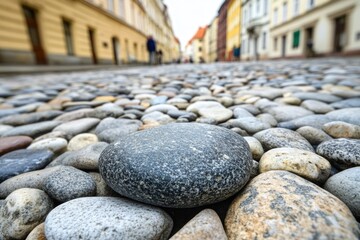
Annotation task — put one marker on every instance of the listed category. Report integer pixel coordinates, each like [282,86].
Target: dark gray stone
[343,153]
[281,137]
[346,186]
[178,165]
[32,130]
[68,183]
[28,118]
[21,161]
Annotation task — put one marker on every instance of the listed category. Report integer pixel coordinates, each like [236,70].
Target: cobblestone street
[66,136]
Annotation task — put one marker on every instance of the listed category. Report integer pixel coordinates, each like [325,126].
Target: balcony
[253,25]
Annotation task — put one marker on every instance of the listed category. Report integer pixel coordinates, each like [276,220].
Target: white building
[255,29]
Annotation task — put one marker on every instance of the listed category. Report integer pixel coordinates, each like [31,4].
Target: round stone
[107,218]
[56,145]
[190,165]
[281,205]
[69,183]
[22,211]
[82,140]
[255,147]
[340,129]
[303,163]
[342,153]
[346,186]
[38,233]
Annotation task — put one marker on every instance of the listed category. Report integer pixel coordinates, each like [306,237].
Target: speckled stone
[107,218]
[340,129]
[21,161]
[23,210]
[82,140]
[86,158]
[101,188]
[69,183]
[281,137]
[38,233]
[8,144]
[190,165]
[343,153]
[303,163]
[33,179]
[346,186]
[205,225]
[281,205]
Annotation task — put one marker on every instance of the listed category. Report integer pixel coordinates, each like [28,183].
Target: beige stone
[281,205]
[338,129]
[82,140]
[38,233]
[255,147]
[206,225]
[105,99]
[301,162]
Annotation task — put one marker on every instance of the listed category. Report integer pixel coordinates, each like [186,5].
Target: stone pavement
[212,151]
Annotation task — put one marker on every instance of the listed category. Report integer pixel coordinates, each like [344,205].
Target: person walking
[151,47]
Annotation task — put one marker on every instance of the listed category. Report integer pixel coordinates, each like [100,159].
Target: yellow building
[233,27]
[77,31]
[213,40]
[314,27]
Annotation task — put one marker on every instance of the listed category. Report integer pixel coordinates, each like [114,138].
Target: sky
[188,15]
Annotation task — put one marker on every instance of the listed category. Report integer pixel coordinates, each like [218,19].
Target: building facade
[221,35]
[307,28]
[213,28]
[195,49]
[256,29]
[81,31]
[233,30]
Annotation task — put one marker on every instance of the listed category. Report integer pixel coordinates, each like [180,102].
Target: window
[264,40]
[296,39]
[257,7]
[200,49]
[265,7]
[121,8]
[296,7]
[311,3]
[68,37]
[284,11]
[250,11]
[275,44]
[275,16]
[110,5]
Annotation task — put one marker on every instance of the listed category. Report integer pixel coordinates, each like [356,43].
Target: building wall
[255,32]
[213,40]
[221,38]
[206,45]
[233,27]
[321,17]
[107,22]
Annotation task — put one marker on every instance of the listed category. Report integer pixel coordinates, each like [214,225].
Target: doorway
[309,41]
[34,35]
[92,45]
[116,50]
[340,34]
[283,51]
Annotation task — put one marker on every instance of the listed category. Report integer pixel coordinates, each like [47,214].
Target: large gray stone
[75,127]
[28,118]
[288,113]
[346,186]
[107,218]
[32,130]
[349,115]
[189,165]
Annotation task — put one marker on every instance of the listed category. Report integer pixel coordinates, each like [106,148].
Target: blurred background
[119,32]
